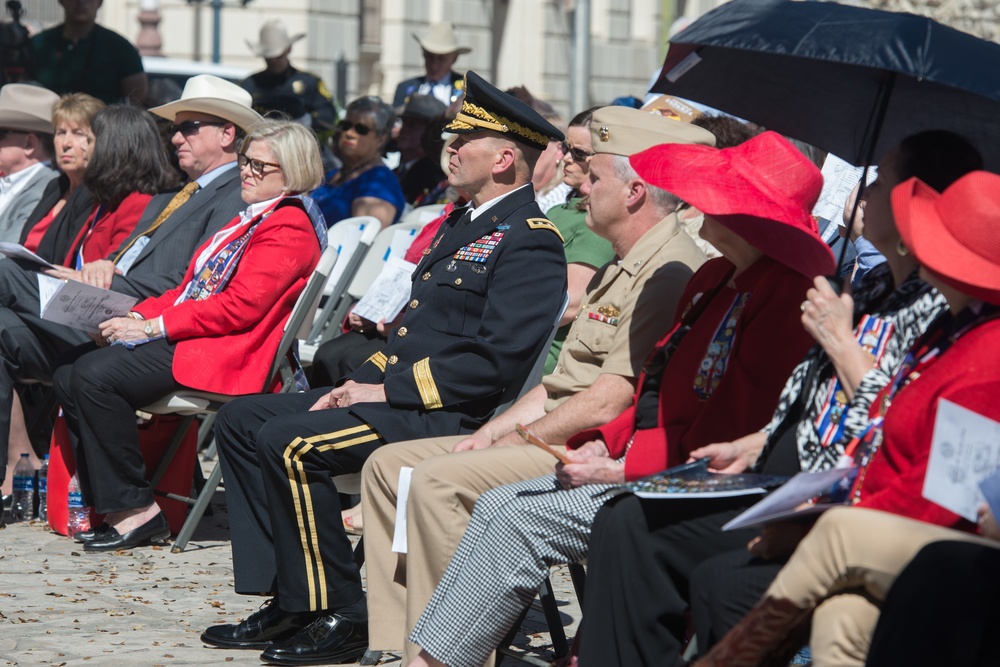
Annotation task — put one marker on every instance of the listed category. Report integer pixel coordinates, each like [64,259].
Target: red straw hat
[763,190]
[955,234]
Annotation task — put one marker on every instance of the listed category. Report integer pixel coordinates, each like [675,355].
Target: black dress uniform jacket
[472,329]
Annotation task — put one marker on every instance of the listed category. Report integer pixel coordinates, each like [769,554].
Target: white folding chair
[351,238]
[422,214]
[388,240]
[190,403]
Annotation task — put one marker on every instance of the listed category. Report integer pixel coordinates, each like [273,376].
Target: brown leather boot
[769,635]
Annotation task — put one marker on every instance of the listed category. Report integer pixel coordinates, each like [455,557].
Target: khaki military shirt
[630,305]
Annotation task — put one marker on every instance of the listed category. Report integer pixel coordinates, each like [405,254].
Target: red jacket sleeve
[283,242]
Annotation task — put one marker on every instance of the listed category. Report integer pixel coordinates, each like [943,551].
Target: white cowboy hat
[274,40]
[440,39]
[26,108]
[213,96]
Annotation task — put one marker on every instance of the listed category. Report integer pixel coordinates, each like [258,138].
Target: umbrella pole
[871,140]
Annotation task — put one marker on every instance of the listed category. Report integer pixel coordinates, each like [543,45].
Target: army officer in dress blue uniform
[484,298]
[281,87]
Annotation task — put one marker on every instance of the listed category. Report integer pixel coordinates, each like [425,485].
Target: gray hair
[660,198]
[382,114]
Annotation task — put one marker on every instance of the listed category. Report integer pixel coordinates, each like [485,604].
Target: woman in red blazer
[127,167]
[834,578]
[218,331]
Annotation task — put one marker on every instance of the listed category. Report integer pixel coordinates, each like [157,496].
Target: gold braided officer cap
[488,108]
[625,131]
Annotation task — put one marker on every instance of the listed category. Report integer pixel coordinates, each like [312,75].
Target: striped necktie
[178,200]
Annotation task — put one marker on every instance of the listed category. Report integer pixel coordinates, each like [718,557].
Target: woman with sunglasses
[586,252]
[217,332]
[363,185]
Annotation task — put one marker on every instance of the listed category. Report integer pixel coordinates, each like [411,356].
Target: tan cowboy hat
[213,96]
[274,40]
[440,39]
[26,108]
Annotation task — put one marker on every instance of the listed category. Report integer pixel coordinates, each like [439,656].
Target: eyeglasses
[256,166]
[189,127]
[578,154]
[360,128]
[4,133]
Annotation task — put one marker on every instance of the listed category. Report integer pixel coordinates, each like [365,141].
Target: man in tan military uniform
[630,306]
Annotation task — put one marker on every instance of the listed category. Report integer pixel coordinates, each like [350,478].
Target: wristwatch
[148,329]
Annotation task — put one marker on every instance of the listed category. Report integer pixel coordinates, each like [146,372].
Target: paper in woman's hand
[388,293]
[79,305]
[18,251]
[695,480]
[965,449]
[806,493]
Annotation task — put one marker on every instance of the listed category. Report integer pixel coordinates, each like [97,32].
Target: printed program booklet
[695,480]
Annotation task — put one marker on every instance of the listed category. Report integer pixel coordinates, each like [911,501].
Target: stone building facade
[514,42]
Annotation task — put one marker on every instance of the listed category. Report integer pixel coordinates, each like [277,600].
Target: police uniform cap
[486,107]
[624,131]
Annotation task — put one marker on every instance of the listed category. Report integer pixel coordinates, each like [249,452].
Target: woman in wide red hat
[844,567]
[715,376]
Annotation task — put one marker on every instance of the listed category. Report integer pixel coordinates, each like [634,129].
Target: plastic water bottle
[23,503]
[79,515]
[43,485]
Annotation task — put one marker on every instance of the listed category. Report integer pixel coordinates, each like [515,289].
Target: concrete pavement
[61,606]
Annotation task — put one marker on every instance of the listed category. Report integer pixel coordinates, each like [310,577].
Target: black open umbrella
[850,80]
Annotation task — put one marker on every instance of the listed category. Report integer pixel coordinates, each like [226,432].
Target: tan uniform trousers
[444,488]
[844,569]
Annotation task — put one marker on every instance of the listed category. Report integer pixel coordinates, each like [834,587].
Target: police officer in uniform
[440,51]
[281,87]
[484,298]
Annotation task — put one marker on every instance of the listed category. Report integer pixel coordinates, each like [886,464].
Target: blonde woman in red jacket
[218,331]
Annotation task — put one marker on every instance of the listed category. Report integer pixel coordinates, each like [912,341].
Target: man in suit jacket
[209,120]
[469,334]
[25,150]
[440,53]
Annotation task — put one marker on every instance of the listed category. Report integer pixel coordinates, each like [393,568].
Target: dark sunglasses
[189,127]
[578,154]
[256,166]
[360,128]
[4,133]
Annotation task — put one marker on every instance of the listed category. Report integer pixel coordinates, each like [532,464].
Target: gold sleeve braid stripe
[472,116]
[379,360]
[425,384]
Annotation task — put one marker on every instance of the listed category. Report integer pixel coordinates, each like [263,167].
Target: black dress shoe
[267,624]
[329,639]
[155,530]
[92,534]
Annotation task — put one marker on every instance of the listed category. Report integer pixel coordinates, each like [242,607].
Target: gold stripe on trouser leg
[302,499]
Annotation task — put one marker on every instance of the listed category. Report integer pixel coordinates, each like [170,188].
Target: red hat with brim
[954,234]
[762,190]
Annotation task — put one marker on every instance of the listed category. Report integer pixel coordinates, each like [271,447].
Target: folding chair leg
[196,512]
[578,574]
[168,455]
[370,658]
[551,610]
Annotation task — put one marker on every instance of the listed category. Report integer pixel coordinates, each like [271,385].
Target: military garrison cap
[625,131]
[488,108]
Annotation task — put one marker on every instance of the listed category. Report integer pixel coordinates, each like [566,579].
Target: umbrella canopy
[850,80]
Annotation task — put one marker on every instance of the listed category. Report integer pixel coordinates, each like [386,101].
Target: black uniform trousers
[278,460]
[642,553]
[99,394]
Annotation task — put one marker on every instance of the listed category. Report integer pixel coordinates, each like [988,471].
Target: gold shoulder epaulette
[544,223]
